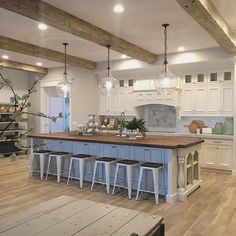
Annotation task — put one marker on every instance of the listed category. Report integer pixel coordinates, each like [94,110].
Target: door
[187,100]
[57,105]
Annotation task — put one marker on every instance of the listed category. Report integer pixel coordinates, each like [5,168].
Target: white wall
[19,80]
[84,93]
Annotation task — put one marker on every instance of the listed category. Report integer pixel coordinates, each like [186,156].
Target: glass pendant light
[64,87]
[166,80]
[109,81]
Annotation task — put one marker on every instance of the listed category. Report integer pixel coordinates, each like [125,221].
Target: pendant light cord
[165,47]
[108,60]
[65,61]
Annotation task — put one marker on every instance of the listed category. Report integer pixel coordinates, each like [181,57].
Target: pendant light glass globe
[108,82]
[63,88]
[166,80]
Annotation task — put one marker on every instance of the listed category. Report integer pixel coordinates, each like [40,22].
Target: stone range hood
[158,117]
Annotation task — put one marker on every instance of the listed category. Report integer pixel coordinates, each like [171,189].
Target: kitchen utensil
[195,124]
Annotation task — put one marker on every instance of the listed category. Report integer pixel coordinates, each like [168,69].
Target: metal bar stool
[107,161]
[58,156]
[42,154]
[154,167]
[128,164]
[81,158]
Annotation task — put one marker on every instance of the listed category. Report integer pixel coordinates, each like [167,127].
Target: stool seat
[42,151]
[59,153]
[81,156]
[105,159]
[128,162]
[151,165]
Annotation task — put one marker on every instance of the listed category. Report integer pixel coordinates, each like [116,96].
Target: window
[227,76]
[213,77]
[131,82]
[200,78]
[121,83]
[188,79]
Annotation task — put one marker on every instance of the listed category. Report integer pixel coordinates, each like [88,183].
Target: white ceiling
[140,23]
[227,9]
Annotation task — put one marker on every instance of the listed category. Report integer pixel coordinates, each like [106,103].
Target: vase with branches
[20,105]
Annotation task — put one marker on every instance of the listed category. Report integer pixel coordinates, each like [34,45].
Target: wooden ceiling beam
[50,15]
[36,51]
[205,13]
[22,66]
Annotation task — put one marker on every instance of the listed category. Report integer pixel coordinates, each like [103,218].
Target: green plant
[137,124]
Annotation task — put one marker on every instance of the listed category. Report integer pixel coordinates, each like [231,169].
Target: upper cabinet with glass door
[220,76]
[198,78]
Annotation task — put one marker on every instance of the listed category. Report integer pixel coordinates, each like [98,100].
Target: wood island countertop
[170,142]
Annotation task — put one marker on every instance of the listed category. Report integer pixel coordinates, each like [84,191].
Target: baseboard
[212,170]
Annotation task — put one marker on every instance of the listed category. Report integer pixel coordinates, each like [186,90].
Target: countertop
[157,141]
[203,136]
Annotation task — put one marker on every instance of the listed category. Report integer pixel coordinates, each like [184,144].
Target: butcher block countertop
[170,142]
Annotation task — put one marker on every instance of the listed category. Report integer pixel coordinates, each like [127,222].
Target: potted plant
[136,126]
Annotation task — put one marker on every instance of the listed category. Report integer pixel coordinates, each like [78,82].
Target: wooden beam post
[36,51]
[24,67]
[205,13]
[48,14]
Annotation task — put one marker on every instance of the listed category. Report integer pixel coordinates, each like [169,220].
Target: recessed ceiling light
[181,49]
[118,8]
[42,26]
[124,56]
[5,57]
[39,63]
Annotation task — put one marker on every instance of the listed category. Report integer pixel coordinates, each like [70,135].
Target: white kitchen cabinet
[213,99]
[218,154]
[226,99]
[193,100]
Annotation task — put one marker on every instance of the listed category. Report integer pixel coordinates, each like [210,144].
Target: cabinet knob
[146,150]
[113,146]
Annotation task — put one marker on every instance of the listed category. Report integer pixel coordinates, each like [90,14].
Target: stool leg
[94,174]
[81,172]
[116,174]
[70,167]
[129,180]
[31,165]
[156,183]
[139,181]
[41,160]
[58,168]
[107,172]
[49,161]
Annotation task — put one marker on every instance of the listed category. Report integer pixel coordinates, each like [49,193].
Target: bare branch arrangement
[20,105]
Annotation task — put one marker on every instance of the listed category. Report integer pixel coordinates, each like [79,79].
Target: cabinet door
[210,155]
[130,102]
[187,100]
[200,99]
[213,99]
[103,102]
[224,156]
[122,100]
[114,102]
[227,99]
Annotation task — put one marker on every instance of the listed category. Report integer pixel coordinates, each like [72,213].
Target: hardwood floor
[211,210]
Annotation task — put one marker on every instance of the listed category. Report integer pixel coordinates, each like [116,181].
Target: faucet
[122,114]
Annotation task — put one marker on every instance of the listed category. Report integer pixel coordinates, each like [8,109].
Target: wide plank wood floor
[211,210]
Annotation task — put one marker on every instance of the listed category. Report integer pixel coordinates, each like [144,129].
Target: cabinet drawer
[218,141]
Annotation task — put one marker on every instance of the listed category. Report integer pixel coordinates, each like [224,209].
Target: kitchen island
[179,155]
